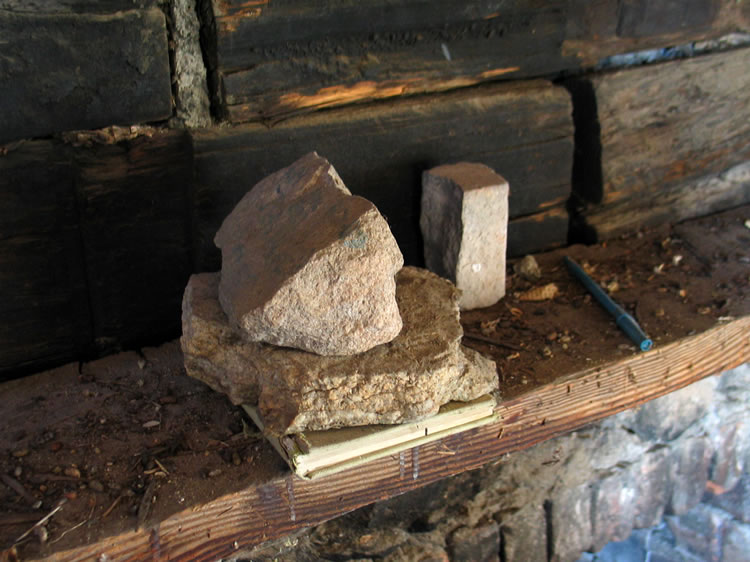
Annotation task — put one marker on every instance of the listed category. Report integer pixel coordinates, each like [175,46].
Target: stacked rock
[313,319]
[306,264]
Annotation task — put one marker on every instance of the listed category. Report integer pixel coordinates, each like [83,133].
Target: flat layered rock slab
[404,380]
[306,264]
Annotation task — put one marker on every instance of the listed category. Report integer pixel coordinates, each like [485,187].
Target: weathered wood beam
[44,310]
[135,229]
[274,61]
[666,123]
[523,131]
[65,71]
[95,245]
[604,28]
[286,503]
[702,196]
[667,141]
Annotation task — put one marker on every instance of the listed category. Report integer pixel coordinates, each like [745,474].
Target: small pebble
[56,446]
[528,269]
[214,472]
[73,472]
[96,485]
[41,533]
[20,453]
[18,471]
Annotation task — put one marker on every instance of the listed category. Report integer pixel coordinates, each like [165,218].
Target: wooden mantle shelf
[267,502]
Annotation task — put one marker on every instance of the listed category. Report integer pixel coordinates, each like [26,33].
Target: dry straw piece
[544,293]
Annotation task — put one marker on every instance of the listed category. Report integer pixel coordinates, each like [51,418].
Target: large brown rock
[306,264]
[404,380]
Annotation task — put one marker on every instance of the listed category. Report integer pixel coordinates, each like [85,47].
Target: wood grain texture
[692,198]
[272,61]
[285,503]
[44,309]
[664,124]
[134,206]
[65,71]
[74,6]
[276,60]
[537,232]
[523,131]
[602,28]
[95,247]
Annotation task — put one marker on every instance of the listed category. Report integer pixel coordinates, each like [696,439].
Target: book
[312,454]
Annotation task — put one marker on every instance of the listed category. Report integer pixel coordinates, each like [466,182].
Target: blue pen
[623,320]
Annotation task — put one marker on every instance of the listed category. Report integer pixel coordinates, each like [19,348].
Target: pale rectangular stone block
[464,222]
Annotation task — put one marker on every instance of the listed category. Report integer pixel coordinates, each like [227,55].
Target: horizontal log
[44,309]
[81,71]
[36,189]
[690,199]
[74,6]
[248,33]
[610,27]
[538,232]
[95,245]
[135,229]
[662,125]
[275,61]
[523,131]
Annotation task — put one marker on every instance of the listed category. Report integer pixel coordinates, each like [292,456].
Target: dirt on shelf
[125,441]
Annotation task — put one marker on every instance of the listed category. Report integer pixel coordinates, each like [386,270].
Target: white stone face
[464,223]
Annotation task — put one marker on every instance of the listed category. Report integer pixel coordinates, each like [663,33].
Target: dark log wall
[100,230]
[523,130]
